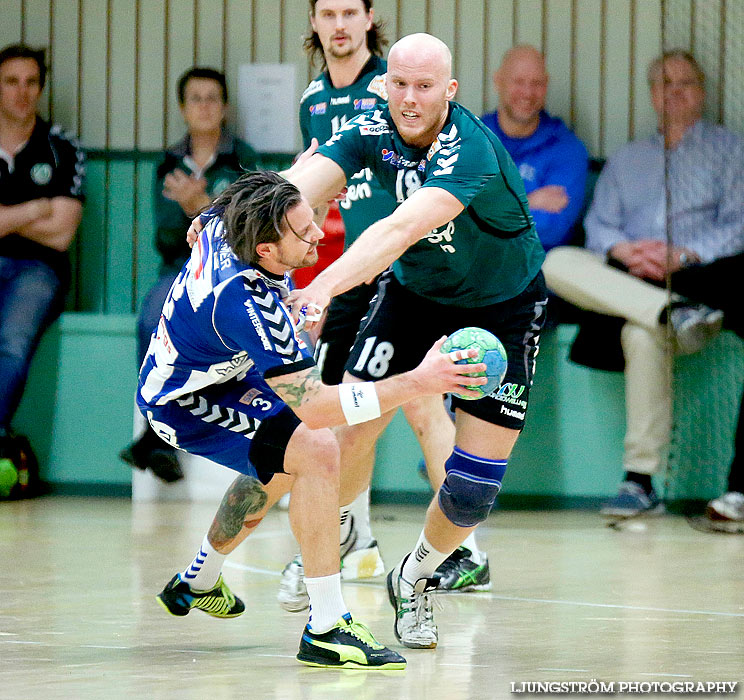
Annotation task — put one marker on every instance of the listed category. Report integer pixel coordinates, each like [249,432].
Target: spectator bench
[78,412]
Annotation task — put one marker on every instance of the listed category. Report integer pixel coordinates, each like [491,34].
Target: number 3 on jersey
[377,362]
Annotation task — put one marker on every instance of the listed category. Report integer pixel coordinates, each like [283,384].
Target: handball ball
[490,351]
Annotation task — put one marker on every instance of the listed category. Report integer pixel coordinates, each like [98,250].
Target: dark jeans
[31,298]
[719,285]
[152,306]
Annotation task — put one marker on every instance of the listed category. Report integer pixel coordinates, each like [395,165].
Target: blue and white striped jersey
[222,320]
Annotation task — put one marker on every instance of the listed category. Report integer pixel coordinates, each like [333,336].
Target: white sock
[472,545]
[326,602]
[360,510]
[345,520]
[204,571]
[423,561]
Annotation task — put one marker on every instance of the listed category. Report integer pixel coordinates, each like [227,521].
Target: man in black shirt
[41,171]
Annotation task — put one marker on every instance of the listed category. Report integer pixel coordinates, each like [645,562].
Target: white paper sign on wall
[266,106]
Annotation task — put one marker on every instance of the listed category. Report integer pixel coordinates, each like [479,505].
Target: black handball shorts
[401,326]
[339,330]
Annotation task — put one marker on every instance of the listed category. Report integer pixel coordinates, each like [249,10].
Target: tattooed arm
[318,405]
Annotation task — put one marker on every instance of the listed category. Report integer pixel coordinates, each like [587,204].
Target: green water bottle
[8,477]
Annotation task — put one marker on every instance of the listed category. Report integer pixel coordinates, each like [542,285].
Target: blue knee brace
[470,487]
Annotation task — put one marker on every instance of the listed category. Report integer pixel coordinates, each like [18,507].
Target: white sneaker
[694,325]
[357,562]
[414,615]
[730,507]
[292,595]
[360,560]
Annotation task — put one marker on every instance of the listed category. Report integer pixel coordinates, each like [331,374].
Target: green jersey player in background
[347,41]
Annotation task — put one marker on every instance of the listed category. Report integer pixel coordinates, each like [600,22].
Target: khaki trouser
[584,279]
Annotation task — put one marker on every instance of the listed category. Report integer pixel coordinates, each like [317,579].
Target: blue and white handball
[490,351]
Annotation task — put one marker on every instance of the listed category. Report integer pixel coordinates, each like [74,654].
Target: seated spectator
[41,176]
[193,172]
[693,168]
[552,161]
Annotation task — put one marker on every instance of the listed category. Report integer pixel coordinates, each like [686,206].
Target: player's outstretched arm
[319,405]
[379,246]
[318,178]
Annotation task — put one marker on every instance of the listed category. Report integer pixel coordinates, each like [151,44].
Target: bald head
[521,82]
[521,56]
[420,87]
[424,50]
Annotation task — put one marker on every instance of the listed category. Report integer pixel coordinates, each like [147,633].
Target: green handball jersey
[324,109]
[490,252]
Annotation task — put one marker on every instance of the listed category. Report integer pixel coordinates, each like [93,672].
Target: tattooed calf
[244,497]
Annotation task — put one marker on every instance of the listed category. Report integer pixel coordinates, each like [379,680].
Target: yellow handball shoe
[348,644]
[178,598]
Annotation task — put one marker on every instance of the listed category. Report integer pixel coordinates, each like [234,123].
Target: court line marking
[610,605]
[666,675]
[101,646]
[252,569]
[548,601]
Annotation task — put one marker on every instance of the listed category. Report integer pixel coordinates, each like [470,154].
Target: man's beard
[350,50]
[520,118]
[311,257]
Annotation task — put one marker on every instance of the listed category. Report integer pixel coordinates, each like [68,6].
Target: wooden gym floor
[572,600]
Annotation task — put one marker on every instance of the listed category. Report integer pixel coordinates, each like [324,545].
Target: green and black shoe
[348,644]
[178,598]
[461,572]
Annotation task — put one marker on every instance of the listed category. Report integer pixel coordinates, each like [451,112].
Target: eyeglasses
[198,99]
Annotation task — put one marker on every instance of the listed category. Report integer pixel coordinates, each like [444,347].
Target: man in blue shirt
[551,159]
[227,377]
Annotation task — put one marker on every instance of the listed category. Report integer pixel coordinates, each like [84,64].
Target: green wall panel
[92,238]
[118,289]
[78,412]
[78,405]
[707,391]
[148,260]
[572,443]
